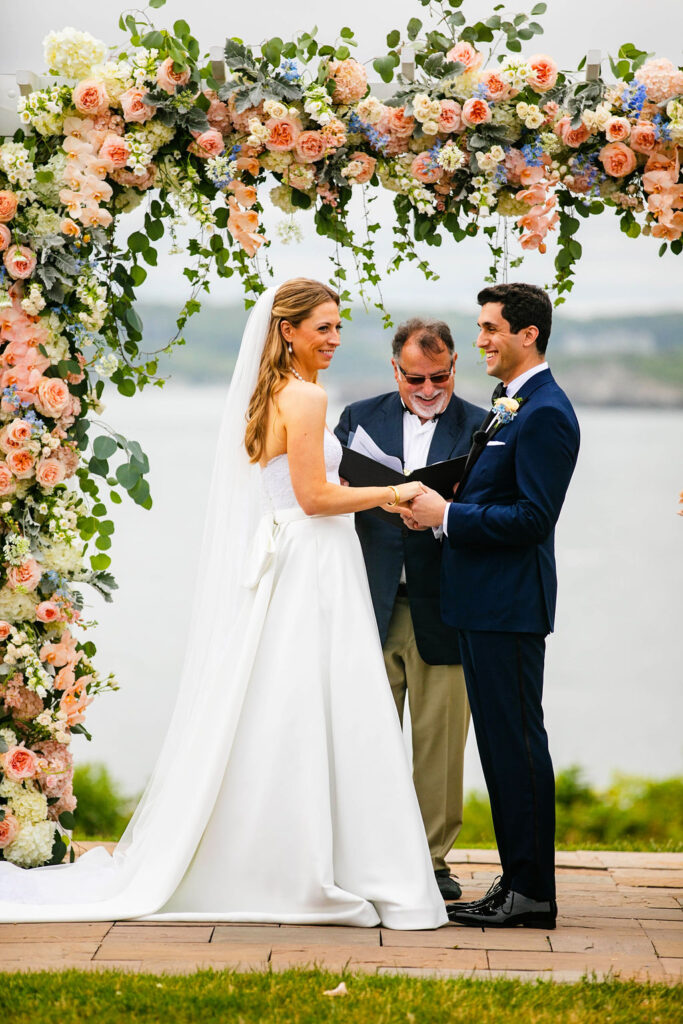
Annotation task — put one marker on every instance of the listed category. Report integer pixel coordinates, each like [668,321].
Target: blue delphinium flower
[533,153]
[633,98]
[289,70]
[375,138]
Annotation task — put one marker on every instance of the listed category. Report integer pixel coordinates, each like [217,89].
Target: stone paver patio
[621,915]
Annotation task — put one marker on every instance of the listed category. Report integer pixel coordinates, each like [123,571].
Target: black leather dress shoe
[449,887]
[495,887]
[506,909]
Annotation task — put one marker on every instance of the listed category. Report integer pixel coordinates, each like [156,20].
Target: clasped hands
[420,507]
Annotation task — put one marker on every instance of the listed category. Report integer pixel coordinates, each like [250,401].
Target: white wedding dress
[283,792]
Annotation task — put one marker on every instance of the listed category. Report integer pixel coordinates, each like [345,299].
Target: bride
[282,792]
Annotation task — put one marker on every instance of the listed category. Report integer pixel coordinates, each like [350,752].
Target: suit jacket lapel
[446,433]
[387,429]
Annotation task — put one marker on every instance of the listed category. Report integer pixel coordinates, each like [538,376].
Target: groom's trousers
[439,719]
[504,675]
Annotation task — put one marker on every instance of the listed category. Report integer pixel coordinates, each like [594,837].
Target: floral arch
[467,143]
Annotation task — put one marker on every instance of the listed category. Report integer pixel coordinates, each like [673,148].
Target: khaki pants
[440,718]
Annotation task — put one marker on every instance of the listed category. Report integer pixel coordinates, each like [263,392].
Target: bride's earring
[289,348]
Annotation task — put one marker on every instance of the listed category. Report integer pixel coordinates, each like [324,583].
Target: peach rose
[15,435]
[168,79]
[209,143]
[133,107]
[572,137]
[8,205]
[90,96]
[310,146]
[115,150]
[5,237]
[350,80]
[20,262]
[7,481]
[399,123]
[466,54]
[618,129]
[242,225]
[544,72]
[47,611]
[425,170]
[5,630]
[497,88]
[450,116]
[475,111]
[21,462]
[368,167]
[643,137]
[283,133]
[617,159]
[53,396]
[9,828]
[19,764]
[50,472]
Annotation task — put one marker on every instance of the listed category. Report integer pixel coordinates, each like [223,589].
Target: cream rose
[8,205]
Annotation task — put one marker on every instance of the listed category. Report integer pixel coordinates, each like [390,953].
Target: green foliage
[102,811]
[632,813]
[296,997]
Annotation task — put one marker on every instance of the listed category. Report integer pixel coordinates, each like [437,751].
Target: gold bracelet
[397,496]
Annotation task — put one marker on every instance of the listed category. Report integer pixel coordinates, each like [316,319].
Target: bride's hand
[405,492]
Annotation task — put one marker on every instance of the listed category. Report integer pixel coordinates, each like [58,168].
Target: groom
[499,587]
[421,422]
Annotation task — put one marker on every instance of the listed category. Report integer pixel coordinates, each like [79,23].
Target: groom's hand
[427,509]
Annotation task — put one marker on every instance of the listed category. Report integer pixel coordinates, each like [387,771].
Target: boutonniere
[504,411]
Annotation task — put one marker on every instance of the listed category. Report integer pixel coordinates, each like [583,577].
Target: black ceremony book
[362,471]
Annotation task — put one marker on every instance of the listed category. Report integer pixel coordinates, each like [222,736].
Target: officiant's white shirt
[417,439]
[511,390]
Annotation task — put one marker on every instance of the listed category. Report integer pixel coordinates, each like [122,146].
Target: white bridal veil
[158,845]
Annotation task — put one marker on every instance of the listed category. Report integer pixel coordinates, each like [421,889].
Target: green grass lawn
[296,997]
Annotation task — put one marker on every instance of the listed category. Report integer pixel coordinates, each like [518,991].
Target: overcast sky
[615,273]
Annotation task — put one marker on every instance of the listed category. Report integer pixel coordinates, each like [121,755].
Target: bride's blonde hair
[294,301]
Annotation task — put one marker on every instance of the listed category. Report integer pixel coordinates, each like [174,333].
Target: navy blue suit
[498,587]
[387,548]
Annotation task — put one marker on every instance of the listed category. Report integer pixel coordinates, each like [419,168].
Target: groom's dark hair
[432,336]
[524,305]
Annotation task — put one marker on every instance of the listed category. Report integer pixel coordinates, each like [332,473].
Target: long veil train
[156,848]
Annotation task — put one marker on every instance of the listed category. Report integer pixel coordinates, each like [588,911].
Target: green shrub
[102,812]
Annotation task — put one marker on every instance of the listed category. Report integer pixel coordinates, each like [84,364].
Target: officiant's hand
[427,509]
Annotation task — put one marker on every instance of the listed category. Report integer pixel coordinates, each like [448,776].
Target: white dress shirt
[417,439]
[511,390]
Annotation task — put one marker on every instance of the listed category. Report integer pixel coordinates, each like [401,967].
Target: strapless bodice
[277,483]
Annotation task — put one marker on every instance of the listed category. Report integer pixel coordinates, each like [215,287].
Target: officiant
[423,421]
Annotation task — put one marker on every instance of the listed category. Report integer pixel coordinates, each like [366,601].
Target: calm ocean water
[614,666]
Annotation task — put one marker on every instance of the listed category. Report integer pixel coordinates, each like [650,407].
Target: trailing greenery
[632,813]
[296,997]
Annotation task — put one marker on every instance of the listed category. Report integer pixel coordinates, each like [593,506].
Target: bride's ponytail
[294,301]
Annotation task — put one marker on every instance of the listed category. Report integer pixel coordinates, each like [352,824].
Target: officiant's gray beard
[426,410]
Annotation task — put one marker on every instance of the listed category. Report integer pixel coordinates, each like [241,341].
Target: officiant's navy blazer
[387,548]
[498,568]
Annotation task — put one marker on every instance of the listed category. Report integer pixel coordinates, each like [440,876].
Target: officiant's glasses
[418,378]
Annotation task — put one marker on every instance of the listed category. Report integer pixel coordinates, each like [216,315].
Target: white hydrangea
[140,152]
[462,87]
[45,109]
[117,77]
[93,296]
[62,557]
[106,365]
[550,142]
[155,134]
[42,222]
[9,736]
[276,162]
[32,846]
[17,607]
[281,197]
[73,54]
[48,191]
[289,231]
[27,802]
